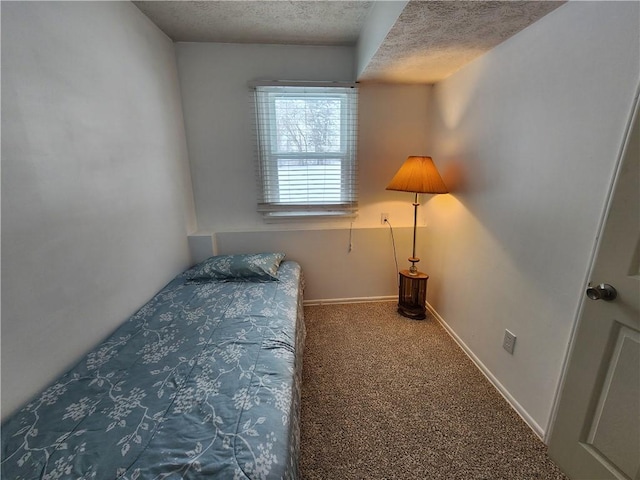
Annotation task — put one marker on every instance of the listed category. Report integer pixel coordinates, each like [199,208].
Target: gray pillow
[251,267]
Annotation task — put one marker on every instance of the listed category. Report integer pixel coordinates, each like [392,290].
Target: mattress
[202,382]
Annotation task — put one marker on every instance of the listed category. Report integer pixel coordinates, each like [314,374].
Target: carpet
[386,397]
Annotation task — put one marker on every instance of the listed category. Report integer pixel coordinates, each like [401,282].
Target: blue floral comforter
[202,382]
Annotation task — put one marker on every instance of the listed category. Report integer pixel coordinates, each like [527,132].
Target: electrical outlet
[509,341]
[384,218]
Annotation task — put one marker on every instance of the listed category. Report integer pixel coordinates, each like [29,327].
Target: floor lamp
[416,175]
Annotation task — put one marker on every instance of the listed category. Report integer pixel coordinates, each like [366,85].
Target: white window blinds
[306,150]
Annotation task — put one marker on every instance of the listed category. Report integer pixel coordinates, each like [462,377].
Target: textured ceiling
[433,39]
[430,40]
[286,22]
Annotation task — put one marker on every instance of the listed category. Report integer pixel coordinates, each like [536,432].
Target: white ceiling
[430,39]
[284,22]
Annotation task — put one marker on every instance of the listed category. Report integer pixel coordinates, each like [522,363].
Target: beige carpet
[385,397]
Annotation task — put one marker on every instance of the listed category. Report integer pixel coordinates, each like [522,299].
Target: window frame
[269,203]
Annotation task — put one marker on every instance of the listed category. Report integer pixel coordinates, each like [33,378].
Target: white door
[596,433]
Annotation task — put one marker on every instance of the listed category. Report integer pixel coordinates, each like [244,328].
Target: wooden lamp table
[412,296]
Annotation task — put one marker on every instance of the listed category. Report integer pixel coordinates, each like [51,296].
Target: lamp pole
[413,270]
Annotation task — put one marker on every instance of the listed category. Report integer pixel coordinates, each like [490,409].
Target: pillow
[256,267]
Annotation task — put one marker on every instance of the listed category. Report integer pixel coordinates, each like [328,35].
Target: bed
[202,382]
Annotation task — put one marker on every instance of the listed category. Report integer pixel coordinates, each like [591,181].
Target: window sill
[284,217]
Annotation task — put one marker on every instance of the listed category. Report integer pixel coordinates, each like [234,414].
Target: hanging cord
[395,256]
[351,237]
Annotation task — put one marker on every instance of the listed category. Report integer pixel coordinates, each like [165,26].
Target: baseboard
[336,301]
[539,431]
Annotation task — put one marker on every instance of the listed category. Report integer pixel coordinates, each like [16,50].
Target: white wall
[332,270]
[393,123]
[527,136]
[218,111]
[96,194]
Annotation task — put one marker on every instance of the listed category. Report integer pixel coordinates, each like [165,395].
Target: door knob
[604,291]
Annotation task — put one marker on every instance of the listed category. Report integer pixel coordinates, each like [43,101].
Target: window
[307,150]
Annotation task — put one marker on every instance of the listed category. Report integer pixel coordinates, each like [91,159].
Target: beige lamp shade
[418,175]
